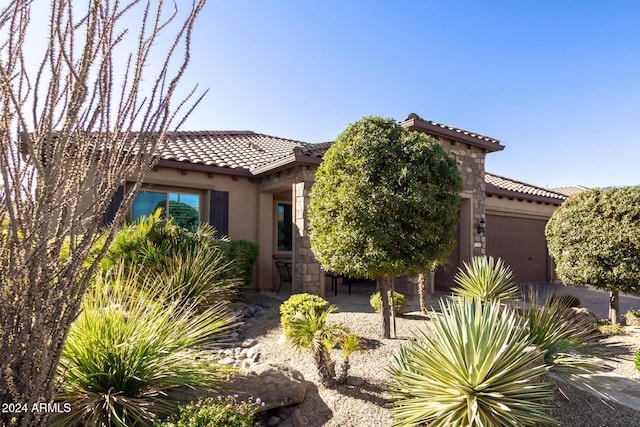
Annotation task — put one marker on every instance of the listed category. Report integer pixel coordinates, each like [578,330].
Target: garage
[516,216]
[520,242]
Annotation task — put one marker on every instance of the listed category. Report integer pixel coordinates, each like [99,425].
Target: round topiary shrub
[300,303]
[566,300]
[400,301]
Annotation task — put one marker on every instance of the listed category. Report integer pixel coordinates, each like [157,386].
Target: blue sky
[558,83]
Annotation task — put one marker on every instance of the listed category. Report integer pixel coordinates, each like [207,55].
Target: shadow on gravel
[360,388]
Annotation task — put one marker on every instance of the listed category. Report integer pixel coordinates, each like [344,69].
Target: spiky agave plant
[471,366]
[486,278]
[559,338]
[128,351]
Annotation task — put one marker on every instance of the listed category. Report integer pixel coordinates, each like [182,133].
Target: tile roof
[569,190]
[505,186]
[229,149]
[414,121]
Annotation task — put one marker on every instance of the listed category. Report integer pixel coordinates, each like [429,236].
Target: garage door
[520,242]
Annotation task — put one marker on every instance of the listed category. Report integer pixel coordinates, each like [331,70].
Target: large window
[184,208]
[285,224]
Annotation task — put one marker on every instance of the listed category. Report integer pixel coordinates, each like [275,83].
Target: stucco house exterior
[256,187]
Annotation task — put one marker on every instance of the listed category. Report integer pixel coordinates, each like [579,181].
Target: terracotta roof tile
[496,184]
[229,149]
[569,190]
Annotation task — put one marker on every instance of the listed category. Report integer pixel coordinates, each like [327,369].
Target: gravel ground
[363,401]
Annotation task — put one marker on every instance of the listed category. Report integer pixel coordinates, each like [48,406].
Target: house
[256,187]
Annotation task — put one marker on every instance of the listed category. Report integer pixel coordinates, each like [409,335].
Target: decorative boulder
[275,384]
[580,316]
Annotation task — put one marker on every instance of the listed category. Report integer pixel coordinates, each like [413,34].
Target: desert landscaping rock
[276,384]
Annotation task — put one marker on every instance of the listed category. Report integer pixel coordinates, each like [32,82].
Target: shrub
[300,303]
[632,317]
[127,352]
[172,253]
[215,412]
[608,329]
[488,279]
[555,335]
[244,255]
[565,300]
[636,361]
[309,329]
[400,302]
[471,366]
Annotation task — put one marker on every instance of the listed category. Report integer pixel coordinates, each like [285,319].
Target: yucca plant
[559,338]
[488,279]
[471,366]
[308,329]
[128,354]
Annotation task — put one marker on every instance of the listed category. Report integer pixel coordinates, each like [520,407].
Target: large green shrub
[215,412]
[471,366]
[127,353]
[300,303]
[213,269]
[594,237]
[488,279]
[400,302]
[636,361]
[384,203]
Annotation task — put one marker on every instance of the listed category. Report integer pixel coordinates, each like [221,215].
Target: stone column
[307,274]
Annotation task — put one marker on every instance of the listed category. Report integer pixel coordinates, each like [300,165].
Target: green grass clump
[130,350]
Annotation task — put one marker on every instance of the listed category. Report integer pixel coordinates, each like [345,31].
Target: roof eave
[493,190]
[285,163]
[187,166]
[419,124]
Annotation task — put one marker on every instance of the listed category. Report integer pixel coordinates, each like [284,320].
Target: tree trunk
[614,307]
[384,285]
[393,309]
[422,292]
[326,370]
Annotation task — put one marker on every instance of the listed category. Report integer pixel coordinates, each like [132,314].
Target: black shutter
[219,211]
[114,205]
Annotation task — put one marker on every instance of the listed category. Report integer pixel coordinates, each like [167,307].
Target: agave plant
[127,353]
[559,338]
[488,279]
[471,366]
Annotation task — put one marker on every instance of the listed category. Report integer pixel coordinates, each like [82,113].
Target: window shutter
[114,205]
[219,211]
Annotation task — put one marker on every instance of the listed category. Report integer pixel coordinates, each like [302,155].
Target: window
[284,226]
[184,208]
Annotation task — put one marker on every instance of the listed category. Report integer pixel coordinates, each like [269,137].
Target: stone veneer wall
[308,276]
[471,164]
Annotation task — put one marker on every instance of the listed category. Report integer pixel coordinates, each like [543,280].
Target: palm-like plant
[472,366]
[128,351]
[310,330]
[488,279]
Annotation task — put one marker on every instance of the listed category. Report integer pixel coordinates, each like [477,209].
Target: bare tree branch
[74,127]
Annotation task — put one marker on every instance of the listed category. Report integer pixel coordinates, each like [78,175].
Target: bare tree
[73,128]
